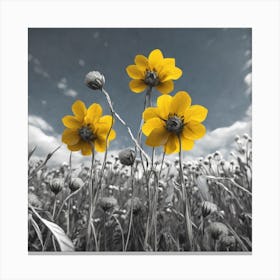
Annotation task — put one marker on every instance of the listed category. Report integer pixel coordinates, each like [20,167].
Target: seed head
[208,208]
[137,205]
[56,185]
[95,80]
[217,230]
[127,157]
[75,184]
[107,203]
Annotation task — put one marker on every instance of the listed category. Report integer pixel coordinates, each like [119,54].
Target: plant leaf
[63,240]
[37,230]
[203,187]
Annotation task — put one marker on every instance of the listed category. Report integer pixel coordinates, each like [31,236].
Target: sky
[217,73]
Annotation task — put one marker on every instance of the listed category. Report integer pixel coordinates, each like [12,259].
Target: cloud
[248,82]
[39,123]
[221,139]
[37,67]
[66,90]
[81,62]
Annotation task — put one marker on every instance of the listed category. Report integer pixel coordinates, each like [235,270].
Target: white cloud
[66,90]
[37,67]
[248,82]
[39,123]
[81,62]
[221,139]
[70,92]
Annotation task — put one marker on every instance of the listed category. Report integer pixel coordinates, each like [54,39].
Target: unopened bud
[56,185]
[95,80]
[127,156]
[75,184]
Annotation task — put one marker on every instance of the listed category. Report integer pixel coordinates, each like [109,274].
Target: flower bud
[127,156]
[75,184]
[95,80]
[56,185]
[208,208]
[217,230]
[107,203]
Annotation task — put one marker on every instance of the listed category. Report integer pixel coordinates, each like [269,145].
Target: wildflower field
[133,200]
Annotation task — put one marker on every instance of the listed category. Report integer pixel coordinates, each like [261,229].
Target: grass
[132,209]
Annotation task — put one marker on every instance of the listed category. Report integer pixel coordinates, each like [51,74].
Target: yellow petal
[194,130]
[151,124]
[100,145]
[94,112]
[170,73]
[180,102]
[155,58]
[142,62]
[165,87]
[172,144]
[70,136]
[108,120]
[195,113]
[103,130]
[86,149]
[169,62]
[163,103]
[79,110]
[187,144]
[137,86]
[150,113]
[75,147]
[134,72]
[71,122]
[157,137]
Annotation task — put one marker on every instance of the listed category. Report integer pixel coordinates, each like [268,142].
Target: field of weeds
[138,211]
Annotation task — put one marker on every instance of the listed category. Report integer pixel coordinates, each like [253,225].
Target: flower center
[175,124]
[151,78]
[86,133]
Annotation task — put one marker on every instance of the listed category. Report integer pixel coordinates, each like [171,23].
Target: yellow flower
[174,118]
[87,129]
[154,71]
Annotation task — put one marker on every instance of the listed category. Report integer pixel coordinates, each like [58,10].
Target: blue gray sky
[216,64]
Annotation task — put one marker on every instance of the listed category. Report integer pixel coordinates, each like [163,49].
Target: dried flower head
[95,80]
[208,208]
[107,203]
[75,184]
[56,185]
[137,205]
[127,156]
[217,230]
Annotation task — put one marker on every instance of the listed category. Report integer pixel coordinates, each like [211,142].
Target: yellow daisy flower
[174,117]
[154,71]
[87,129]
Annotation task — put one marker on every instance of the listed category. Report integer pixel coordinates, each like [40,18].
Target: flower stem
[90,202]
[186,211]
[131,208]
[116,115]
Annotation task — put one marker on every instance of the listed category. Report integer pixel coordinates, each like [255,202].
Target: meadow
[219,193]
[134,201]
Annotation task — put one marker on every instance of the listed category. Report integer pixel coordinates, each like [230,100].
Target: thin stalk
[162,161]
[117,116]
[188,223]
[104,232]
[90,202]
[53,214]
[131,209]
[68,216]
